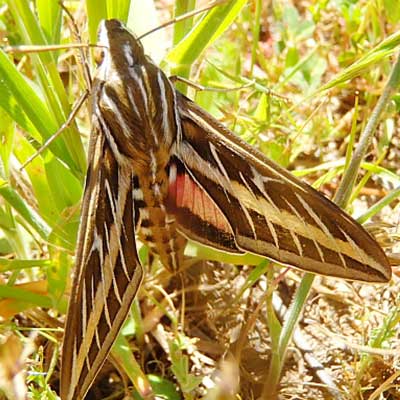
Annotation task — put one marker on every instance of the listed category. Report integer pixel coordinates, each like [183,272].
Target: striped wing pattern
[265,209]
[162,168]
[108,273]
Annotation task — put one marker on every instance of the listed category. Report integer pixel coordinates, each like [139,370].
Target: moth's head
[118,47]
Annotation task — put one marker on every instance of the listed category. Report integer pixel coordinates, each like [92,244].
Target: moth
[163,169]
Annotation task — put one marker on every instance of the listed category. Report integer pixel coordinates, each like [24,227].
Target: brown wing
[107,271]
[265,209]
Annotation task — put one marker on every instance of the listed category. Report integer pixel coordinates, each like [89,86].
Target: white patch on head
[128,53]
[103,35]
[104,43]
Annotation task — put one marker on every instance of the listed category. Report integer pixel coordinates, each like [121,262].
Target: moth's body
[146,139]
[162,168]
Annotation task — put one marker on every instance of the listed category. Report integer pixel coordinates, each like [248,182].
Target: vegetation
[306,78]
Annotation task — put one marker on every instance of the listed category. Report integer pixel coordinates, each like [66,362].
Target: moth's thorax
[138,106]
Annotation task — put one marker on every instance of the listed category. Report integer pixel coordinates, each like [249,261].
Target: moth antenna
[64,126]
[183,17]
[201,88]
[83,56]
[250,82]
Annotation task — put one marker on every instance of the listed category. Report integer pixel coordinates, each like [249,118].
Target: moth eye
[98,55]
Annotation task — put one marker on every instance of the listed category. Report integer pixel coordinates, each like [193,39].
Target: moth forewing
[162,168]
[107,272]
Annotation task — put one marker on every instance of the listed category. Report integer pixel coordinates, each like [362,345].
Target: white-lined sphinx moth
[162,168]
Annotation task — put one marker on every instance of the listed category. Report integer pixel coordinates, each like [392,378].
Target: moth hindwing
[162,168]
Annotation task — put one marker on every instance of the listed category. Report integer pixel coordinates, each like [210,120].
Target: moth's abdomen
[156,228]
[158,231]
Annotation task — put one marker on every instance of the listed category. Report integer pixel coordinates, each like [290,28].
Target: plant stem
[349,178]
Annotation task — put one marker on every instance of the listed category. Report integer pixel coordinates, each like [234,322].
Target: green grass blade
[25,296]
[181,28]
[203,34]
[24,95]
[118,9]
[7,138]
[27,213]
[16,265]
[123,354]
[51,85]
[96,11]
[376,55]
[50,14]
